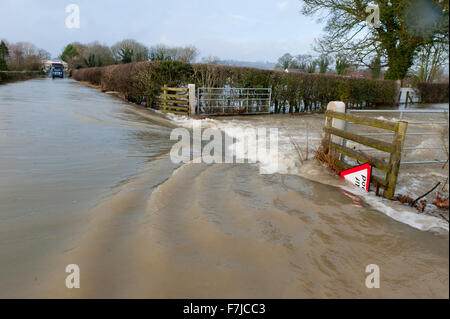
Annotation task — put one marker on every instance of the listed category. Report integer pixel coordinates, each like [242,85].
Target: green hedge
[12,76]
[433,92]
[137,81]
[291,92]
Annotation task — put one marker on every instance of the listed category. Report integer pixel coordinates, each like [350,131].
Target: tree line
[21,56]
[428,65]
[403,37]
[309,64]
[94,54]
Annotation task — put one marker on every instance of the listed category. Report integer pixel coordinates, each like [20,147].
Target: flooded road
[86,179]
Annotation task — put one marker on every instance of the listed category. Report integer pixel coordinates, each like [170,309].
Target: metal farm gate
[233,101]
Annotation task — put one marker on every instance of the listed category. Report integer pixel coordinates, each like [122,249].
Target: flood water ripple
[86,179]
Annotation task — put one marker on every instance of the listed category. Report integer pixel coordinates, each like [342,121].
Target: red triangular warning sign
[359,176]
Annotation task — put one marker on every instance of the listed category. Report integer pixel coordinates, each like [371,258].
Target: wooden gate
[390,168]
[174,100]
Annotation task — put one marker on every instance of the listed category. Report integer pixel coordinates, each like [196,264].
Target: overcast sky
[251,30]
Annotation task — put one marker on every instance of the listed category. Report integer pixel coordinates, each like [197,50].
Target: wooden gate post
[335,106]
[339,107]
[395,158]
[165,93]
[192,99]
[406,101]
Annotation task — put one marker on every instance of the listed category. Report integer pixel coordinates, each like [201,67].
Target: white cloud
[238,17]
[165,40]
[282,5]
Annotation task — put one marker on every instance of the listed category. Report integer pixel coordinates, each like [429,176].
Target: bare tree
[429,62]
[311,67]
[342,64]
[211,60]
[44,55]
[25,56]
[323,62]
[129,50]
[97,54]
[163,52]
[303,60]
[287,61]
[187,54]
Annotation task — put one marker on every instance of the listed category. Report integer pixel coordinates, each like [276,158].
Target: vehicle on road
[57,71]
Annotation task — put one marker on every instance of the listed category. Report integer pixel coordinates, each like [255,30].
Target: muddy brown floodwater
[86,179]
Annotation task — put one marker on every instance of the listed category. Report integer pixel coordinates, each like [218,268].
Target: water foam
[400,212]
[288,162]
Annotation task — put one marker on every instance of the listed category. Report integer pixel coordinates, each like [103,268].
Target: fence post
[406,101]
[192,99]
[327,137]
[164,97]
[395,158]
[398,92]
[337,106]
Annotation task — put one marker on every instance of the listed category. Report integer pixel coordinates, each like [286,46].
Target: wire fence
[427,136]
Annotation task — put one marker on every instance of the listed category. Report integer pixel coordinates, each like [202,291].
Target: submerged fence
[423,124]
[393,148]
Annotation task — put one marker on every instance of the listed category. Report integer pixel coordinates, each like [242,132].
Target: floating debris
[441,203]
[403,199]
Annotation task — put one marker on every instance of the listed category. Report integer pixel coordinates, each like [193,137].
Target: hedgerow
[433,92]
[141,82]
[12,76]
